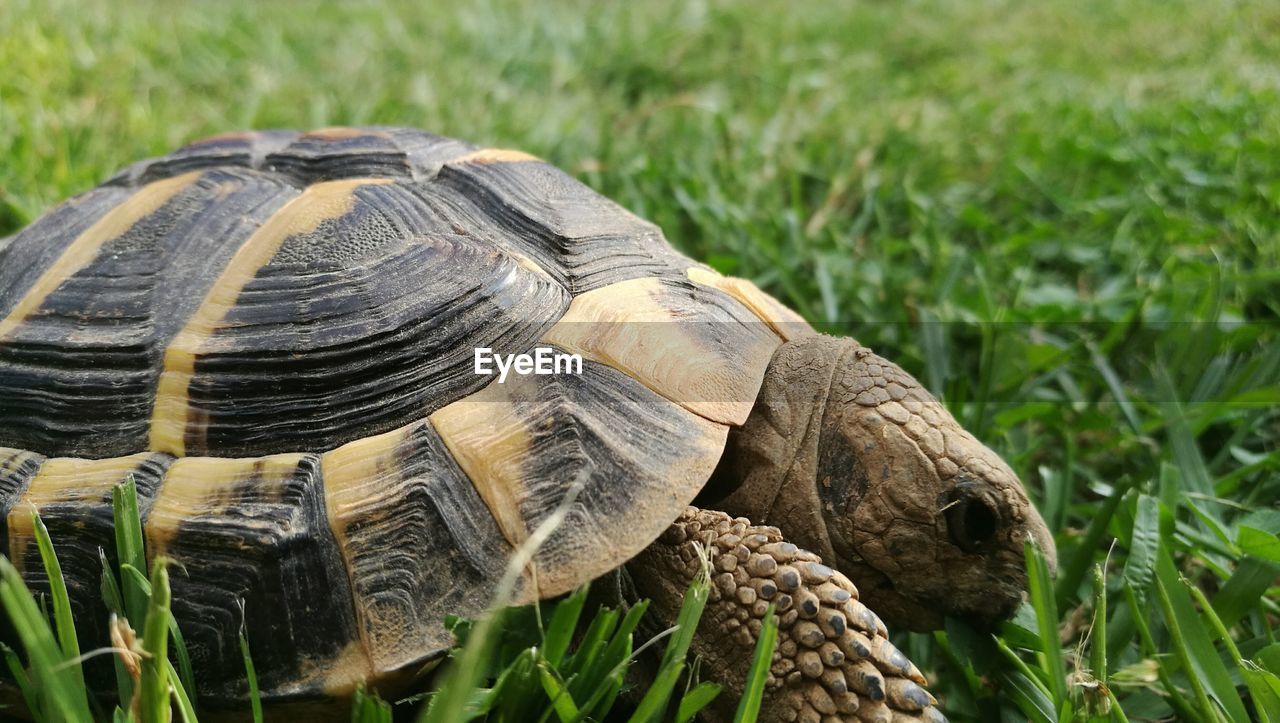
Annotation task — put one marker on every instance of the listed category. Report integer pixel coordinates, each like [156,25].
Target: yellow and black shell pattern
[274,334]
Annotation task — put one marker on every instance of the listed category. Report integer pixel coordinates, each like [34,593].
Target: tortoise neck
[769,472]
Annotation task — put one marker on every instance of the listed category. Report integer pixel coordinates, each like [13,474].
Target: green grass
[49,673]
[1063,216]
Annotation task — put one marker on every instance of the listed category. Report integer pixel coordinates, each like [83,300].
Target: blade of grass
[60,690]
[129,547]
[496,696]
[109,587]
[250,674]
[115,603]
[583,664]
[186,677]
[1042,601]
[1074,568]
[695,700]
[589,669]
[1193,647]
[607,692]
[20,678]
[1259,543]
[369,708]
[1116,388]
[563,623]
[753,691]
[1098,629]
[63,623]
[133,574]
[1256,686]
[512,695]
[1148,647]
[180,696]
[1190,463]
[561,702]
[654,703]
[619,648]
[956,660]
[1025,689]
[154,685]
[613,663]
[1144,544]
[1206,710]
[1243,591]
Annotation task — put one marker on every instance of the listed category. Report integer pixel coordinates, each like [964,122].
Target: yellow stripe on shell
[319,202]
[12,459]
[65,479]
[636,327]
[347,670]
[356,477]
[84,249]
[201,486]
[338,133]
[494,155]
[785,322]
[486,435]
[347,471]
[223,138]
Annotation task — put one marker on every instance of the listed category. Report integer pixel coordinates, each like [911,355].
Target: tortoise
[286,339]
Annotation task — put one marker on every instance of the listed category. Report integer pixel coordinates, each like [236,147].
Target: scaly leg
[833,662]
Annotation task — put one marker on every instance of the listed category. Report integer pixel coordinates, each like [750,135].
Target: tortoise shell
[274,333]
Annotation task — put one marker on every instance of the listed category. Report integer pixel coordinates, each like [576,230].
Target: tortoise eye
[971,521]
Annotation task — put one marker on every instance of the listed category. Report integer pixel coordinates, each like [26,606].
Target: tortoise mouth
[982,607]
[990,619]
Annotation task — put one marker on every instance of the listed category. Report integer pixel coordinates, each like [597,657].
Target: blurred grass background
[1062,216]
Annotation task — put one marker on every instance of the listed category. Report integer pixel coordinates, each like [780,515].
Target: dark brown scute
[418,540]
[248,149]
[302,159]
[310,360]
[36,247]
[355,152]
[582,238]
[80,528]
[263,540]
[78,376]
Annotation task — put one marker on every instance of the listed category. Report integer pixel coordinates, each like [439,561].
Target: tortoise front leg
[833,661]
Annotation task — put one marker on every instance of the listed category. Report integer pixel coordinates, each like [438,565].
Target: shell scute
[613,453]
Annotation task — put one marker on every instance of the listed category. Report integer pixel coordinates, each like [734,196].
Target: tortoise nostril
[971,522]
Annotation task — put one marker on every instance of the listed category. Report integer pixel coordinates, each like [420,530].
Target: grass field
[1062,216]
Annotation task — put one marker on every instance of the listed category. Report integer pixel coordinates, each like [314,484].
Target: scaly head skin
[858,462]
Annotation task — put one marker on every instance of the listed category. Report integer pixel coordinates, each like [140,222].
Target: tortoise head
[923,517]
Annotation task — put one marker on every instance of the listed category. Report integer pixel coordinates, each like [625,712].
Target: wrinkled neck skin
[853,459]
